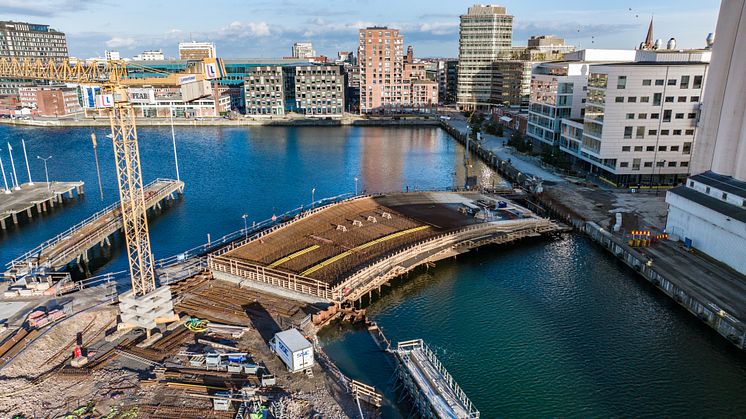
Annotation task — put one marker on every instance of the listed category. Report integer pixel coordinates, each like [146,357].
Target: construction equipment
[112,78]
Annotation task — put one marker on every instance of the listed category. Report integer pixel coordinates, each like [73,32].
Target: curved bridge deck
[343,250]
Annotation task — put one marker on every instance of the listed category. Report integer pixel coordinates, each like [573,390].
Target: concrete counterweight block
[146,311]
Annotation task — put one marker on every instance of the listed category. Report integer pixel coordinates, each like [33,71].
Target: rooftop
[293,339]
[722,182]
[729,210]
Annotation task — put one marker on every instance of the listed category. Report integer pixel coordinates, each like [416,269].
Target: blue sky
[260,28]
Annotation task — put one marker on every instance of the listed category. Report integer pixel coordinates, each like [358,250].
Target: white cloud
[120,42]
[241,29]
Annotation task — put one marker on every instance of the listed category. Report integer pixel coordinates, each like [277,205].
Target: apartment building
[264,90]
[641,118]
[303,50]
[485,36]
[196,50]
[33,41]
[447,77]
[149,55]
[319,90]
[50,101]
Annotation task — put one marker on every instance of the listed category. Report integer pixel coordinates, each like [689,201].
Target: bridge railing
[79,226]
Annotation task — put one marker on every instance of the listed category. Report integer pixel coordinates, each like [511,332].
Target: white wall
[710,231]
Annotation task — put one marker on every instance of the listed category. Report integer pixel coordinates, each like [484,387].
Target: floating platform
[342,251]
[36,198]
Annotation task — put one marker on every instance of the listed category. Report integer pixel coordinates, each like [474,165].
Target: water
[544,328]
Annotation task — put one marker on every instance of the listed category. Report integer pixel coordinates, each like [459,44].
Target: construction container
[223,404]
[293,349]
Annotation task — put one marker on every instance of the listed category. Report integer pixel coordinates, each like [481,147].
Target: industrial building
[708,213]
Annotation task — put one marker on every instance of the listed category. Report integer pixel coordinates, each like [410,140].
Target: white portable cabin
[294,350]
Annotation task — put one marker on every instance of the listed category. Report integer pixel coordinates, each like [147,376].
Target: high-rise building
[388,80]
[29,40]
[303,50]
[709,211]
[485,36]
[196,50]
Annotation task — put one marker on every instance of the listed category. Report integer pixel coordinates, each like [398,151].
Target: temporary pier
[38,197]
[434,392]
[73,244]
[345,250]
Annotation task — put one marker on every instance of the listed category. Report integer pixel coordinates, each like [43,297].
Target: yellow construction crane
[112,78]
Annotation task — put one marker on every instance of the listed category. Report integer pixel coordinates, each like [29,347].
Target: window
[636,164]
[667,115]
[682,99]
[657,99]
[660,163]
[648,164]
[725,196]
[646,82]
[638,148]
[626,148]
[627,132]
[672,82]
[680,115]
[677,132]
[619,99]
[687,148]
[669,99]
[662,148]
[692,115]
[655,116]
[684,82]
[689,132]
[674,148]
[653,132]
[624,164]
[650,148]
[697,82]
[621,82]
[642,116]
[640,133]
[684,164]
[644,99]
[691,184]
[672,164]
[659,82]
[665,132]
[630,116]
[694,99]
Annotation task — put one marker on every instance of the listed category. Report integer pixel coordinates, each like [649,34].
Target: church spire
[649,41]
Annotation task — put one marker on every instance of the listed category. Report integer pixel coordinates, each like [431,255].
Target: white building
[112,55]
[149,55]
[303,50]
[194,50]
[709,212]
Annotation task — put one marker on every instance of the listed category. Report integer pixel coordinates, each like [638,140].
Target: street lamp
[660,169]
[245,226]
[356,186]
[46,172]
[313,192]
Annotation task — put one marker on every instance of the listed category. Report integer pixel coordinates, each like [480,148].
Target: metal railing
[20,260]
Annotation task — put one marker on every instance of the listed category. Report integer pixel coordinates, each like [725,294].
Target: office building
[264,90]
[33,41]
[447,78]
[303,50]
[196,50]
[50,101]
[485,36]
[149,55]
[319,90]
[709,211]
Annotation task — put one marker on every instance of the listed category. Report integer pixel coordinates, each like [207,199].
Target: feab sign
[141,95]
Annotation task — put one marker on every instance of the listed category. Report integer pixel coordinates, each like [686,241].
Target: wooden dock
[34,199]
[73,244]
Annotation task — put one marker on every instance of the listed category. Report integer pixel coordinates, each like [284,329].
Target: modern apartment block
[29,40]
[640,118]
[264,90]
[389,80]
[319,90]
[149,55]
[303,50]
[196,50]
[50,101]
[485,36]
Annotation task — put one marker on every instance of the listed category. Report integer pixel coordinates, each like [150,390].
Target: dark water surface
[543,328]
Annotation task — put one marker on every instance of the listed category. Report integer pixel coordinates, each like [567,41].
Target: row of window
[686,148]
[640,132]
[724,195]
[683,82]
[656,99]
[637,162]
[655,115]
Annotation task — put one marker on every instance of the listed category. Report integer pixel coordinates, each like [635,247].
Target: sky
[264,29]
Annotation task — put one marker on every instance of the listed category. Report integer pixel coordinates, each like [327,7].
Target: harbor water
[546,327]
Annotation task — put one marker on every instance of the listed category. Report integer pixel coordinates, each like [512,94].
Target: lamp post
[313,201]
[355,185]
[663,163]
[46,172]
[245,226]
